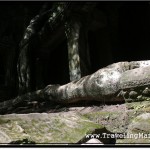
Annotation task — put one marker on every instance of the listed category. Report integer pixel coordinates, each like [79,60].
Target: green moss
[57,129]
[140,106]
[68,128]
[98,116]
[94,115]
[4,121]
[113,121]
[73,134]
[146,109]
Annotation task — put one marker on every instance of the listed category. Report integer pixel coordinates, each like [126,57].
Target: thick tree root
[103,85]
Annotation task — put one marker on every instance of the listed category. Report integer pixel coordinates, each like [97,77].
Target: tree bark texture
[105,85]
[78,51]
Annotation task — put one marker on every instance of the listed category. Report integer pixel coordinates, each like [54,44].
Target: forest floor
[123,119]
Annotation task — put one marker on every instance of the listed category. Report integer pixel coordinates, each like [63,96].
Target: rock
[133,94]
[146,91]
[140,124]
[93,141]
[123,119]
[64,127]
[73,126]
[138,130]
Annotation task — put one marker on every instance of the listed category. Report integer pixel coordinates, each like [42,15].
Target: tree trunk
[78,50]
[24,66]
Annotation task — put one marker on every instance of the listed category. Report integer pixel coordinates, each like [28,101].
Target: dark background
[121,33]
